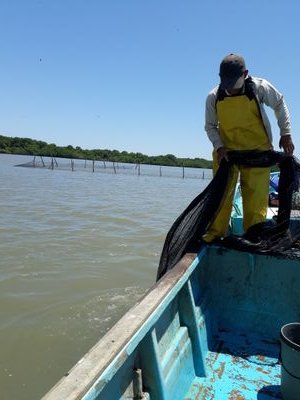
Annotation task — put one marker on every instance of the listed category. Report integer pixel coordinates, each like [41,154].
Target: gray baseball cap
[231,69]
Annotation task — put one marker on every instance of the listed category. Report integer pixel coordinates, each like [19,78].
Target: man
[236,120]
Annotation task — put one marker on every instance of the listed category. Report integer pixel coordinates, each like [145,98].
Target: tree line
[26,146]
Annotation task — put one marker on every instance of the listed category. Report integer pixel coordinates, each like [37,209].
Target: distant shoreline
[27,146]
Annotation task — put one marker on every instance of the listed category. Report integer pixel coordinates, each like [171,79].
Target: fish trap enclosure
[112,167]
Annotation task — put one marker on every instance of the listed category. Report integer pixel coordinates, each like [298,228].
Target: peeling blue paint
[214,336]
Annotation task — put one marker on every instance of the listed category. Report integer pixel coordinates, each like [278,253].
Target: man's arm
[211,121]
[274,99]
[212,126]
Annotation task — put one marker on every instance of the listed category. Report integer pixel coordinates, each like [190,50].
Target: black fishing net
[270,237]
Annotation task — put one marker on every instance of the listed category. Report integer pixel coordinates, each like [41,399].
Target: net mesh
[271,237]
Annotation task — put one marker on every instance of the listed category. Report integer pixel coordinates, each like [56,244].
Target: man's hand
[222,153]
[287,144]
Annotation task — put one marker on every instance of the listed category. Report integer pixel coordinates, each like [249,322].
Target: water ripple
[77,250]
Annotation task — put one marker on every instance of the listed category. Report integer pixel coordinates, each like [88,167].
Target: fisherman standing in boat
[236,120]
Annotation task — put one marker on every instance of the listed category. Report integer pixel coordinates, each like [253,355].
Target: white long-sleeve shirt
[265,94]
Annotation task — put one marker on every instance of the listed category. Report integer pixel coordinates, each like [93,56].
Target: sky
[133,75]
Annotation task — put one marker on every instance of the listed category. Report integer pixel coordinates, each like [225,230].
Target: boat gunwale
[100,363]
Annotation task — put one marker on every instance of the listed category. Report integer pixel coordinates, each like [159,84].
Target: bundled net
[270,237]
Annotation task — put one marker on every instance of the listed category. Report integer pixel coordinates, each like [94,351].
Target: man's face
[239,84]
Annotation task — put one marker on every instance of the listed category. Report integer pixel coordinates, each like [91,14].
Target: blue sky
[133,75]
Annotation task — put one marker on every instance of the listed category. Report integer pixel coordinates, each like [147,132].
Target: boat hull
[209,329]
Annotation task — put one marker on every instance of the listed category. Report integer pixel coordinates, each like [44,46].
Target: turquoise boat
[208,329]
[219,324]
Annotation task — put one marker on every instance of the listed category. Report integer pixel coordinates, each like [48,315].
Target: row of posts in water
[54,164]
